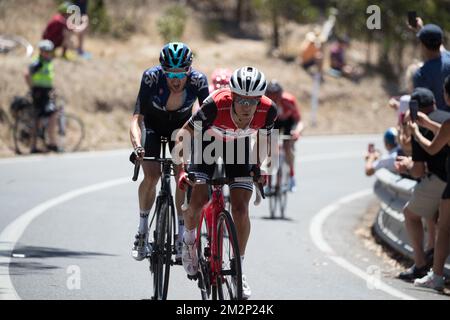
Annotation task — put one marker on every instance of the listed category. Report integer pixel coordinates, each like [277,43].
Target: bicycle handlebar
[221,181]
[137,164]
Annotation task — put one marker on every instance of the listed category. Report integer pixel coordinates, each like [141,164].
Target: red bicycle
[220,275]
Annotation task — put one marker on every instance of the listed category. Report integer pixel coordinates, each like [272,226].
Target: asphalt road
[67,225]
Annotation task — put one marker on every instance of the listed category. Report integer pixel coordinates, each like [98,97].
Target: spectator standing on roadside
[426,197]
[83,5]
[436,63]
[435,278]
[375,161]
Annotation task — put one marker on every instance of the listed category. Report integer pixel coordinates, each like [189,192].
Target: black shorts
[285,126]
[239,168]
[153,143]
[446,194]
[44,106]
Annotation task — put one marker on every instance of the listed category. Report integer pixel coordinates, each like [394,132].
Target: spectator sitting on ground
[376,161]
[426,197]
[436,63]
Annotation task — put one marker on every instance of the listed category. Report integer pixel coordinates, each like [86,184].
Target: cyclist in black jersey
[164,104]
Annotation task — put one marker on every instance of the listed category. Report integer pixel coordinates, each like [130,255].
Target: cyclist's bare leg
[199,197]
[147,189]
[52,126]
[240,199]
[289,152]
[179,198]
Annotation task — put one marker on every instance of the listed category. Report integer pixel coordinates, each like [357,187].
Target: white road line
[14,231]
[315,230]
[75,155]
[328,156]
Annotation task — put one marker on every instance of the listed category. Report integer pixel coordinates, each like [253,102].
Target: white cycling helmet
[248,81]
[46,45]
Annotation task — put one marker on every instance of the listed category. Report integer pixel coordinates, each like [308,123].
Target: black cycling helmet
[176,55]
[274,87]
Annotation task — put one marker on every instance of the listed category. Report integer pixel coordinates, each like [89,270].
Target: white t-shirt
[387,161]
[404,104]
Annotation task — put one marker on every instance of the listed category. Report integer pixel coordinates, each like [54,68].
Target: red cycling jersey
[215,117]
[288,108]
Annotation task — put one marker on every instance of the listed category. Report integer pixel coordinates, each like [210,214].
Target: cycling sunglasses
[176,75]
[252,102]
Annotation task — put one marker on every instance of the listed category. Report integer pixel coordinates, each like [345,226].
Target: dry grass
[103,91]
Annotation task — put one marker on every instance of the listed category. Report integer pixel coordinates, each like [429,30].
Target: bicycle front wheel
[22,133]
[229,278]
[162,251]
[70,132]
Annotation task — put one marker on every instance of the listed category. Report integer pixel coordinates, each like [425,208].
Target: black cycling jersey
[153,96]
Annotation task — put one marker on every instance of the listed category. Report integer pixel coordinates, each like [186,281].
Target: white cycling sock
[189,236]
[143,221]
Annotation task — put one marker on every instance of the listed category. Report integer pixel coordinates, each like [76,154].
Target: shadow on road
[27,258]
[278,219]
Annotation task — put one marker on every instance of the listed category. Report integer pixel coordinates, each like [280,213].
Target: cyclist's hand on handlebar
[184,181]
[261,175]
[140,153]
[295,135]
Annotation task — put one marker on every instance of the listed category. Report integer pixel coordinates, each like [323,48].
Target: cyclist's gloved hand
[257,172]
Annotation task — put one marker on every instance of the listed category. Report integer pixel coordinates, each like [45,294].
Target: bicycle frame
[210,213]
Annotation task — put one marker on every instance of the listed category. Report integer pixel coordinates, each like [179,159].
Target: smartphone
[412,19]
[371,148]
[401,119]
[414,109]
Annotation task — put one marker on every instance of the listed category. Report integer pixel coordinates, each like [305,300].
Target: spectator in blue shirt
[436,63]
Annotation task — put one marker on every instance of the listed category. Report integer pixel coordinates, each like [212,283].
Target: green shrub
[172,23]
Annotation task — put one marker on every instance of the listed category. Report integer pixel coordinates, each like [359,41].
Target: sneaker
[141,248]
[292,184]
[413,273]
[54,148]
[189,259]
[431,281]
[246,291]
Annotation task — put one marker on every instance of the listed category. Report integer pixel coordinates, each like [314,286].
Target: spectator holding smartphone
[435,278]
[426,197]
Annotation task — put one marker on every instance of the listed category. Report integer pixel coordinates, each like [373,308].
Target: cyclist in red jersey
[289,122]
[229,116]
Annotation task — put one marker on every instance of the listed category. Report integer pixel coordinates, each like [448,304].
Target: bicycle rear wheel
[162,250]
[70,132]
[204,254]
[229,278]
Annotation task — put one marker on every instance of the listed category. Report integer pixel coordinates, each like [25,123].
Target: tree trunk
[239,12]
[275,29]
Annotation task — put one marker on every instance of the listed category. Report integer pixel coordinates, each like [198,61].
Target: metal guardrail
[394,191]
